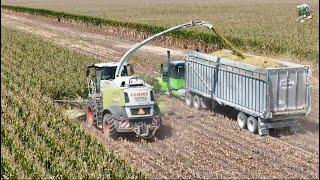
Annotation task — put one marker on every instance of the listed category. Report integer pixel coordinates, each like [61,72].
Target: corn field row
[39,141]
[259,43]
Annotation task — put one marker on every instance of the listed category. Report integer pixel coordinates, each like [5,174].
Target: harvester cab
[102,73]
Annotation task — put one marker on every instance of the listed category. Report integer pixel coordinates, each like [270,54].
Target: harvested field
[263,26]
[191,144]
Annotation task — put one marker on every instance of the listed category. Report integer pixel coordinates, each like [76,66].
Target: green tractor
[172,78]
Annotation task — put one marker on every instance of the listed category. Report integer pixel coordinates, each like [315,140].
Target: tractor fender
[116,111]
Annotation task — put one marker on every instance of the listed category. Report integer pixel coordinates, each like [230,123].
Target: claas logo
[138,94]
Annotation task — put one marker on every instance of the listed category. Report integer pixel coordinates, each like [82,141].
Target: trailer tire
[109,128]
[252,124]
[189,99]
[206,103]
[197,102]
[242,120]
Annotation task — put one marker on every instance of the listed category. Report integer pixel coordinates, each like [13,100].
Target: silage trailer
[264,97]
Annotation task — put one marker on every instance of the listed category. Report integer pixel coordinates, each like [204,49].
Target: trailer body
[276,96]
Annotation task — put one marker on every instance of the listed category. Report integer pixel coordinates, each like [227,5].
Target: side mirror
[87,72]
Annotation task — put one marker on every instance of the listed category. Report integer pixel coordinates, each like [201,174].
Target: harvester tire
[252,125]
[197,102]
[109,128]
[89,114]
[189,99]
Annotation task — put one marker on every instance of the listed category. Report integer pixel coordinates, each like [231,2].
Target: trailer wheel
[189,99]
[252,124]
[242,120]
[206,103]
[109,128]
[197,102]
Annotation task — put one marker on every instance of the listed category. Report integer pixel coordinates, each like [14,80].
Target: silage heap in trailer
[254,60]
[278,92]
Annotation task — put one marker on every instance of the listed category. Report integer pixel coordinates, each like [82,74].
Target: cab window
[177,71]
[108,73]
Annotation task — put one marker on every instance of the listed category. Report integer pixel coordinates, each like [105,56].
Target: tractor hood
[128,81]
[139,96]
[124,82]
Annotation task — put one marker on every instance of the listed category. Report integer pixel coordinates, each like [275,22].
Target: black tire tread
[112,127]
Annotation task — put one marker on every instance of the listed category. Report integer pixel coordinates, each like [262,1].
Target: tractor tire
[252,125]
[109,128]
[242,120]
[89,114]
[197,102]
[189,99]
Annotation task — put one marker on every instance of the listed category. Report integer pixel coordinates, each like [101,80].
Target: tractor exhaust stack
[169,57]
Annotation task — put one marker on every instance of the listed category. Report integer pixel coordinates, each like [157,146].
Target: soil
[191,143]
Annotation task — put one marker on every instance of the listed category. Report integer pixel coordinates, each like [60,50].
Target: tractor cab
[175,69]
[172,76]
[101,73]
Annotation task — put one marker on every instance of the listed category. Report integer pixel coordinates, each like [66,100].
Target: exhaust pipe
[169,57]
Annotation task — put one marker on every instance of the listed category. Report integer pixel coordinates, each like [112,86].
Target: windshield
[108,73]
[178,71]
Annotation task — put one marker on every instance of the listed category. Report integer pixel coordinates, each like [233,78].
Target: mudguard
[116,111]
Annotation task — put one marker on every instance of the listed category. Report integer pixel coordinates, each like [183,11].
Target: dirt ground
[191,143]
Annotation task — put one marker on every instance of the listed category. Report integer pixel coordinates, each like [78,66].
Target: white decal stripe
[154,121]
[124,124]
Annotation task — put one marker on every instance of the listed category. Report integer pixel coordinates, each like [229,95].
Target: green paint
[177,83]
[163,84]
[165,108]
[113,96]
[175,93]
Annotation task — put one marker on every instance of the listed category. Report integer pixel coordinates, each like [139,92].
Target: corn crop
[37,140]
[267,27]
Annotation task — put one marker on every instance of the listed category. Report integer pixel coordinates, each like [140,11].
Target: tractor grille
[135,111]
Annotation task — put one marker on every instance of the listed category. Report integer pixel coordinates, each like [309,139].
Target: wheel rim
[89,116]
[252,125]
[106,128]
[242,120]
[196,102]
[188,99]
